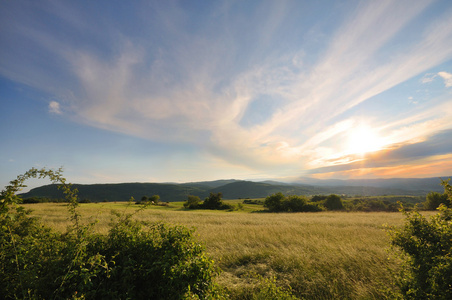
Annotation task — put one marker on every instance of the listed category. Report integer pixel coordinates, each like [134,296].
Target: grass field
[326,255]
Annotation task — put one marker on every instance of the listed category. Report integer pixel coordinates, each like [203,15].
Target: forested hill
[231,189]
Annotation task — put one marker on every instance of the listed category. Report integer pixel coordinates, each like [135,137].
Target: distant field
[327,255]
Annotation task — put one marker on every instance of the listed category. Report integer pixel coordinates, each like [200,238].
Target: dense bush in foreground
[427,253]
[133,261]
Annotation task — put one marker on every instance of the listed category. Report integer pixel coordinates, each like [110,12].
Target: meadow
[323,255]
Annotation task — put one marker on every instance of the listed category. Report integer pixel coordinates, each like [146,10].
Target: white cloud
[447,78]
[429,77]
[54,107]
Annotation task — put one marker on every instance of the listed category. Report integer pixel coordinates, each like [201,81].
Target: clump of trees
[426,246]
[153,200]
[214,201]
[280,203]
[293,203]
[369,205]
[133,260]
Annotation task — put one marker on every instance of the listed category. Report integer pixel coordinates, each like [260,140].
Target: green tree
[434,200]
[426,246]
[295,203]
[214,202]
[155,199]
[333,202]
[275,202]
[192,202]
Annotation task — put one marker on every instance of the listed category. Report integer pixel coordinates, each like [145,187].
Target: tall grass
[327,255]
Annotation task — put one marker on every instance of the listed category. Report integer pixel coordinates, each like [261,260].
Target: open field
[326,255]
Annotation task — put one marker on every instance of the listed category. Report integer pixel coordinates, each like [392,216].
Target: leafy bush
[427,253]
[133,261]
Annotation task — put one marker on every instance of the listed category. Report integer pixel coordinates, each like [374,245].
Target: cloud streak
[222,85]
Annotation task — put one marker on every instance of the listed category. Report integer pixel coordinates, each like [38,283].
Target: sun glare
[363,139]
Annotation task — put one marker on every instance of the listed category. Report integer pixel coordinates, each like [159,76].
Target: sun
[363,139]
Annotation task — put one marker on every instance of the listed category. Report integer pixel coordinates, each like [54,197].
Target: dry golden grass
[327,255]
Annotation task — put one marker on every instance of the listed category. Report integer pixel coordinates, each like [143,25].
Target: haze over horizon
[185,91]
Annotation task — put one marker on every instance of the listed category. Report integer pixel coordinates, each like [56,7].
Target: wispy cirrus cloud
[223,84]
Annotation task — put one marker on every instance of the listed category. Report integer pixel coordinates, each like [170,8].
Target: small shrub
[427,253]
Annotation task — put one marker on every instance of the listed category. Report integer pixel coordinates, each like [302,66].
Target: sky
[182,91]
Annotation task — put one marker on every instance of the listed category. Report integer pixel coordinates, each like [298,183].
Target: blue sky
[158,91]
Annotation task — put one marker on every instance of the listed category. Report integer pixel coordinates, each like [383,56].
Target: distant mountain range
[234,189]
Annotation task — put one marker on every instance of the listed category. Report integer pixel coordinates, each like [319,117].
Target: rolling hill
[233,189]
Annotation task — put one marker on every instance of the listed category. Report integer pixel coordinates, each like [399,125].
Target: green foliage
[212,202]
[434,200]
[36,200]
[250,201]
[279,203]
[192,202]
[155,199]
[318,198]
[369,205]
[427,252]
[275,202]
[133,261]
[333,202]
[380,203]
[268,289]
